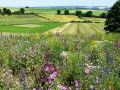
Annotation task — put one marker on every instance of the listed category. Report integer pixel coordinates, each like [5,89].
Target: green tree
[58,11]
[89,14]
[103,15]
[112,23]
[78,13]
[4,10]
[9,12]
[0,11]
[22,10]
[26,7]
[66,12]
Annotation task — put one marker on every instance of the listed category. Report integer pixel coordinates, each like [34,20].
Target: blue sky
[56,2]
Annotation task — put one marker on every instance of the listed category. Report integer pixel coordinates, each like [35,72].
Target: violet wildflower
[92,87]
[39,88]
[86,71]
[113,61]
[77,83]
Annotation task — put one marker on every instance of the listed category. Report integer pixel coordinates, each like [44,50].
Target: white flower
[64,54]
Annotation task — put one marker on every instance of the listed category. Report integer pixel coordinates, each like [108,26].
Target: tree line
[6,11]
[80,13]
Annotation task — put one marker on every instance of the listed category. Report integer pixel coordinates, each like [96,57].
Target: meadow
[60,62]
[47,52]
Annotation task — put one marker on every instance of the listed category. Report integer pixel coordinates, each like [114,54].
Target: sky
[17,3]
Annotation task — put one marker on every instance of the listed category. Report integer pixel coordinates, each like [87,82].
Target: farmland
[45,51]
[54,11]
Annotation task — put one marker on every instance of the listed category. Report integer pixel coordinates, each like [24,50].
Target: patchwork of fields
[41,23]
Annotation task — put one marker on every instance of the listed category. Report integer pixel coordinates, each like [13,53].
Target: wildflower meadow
[60,62]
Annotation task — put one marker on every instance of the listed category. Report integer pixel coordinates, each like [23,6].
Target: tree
[78,13]
[26,7]
[58,12]
[88,14]
[112,23]
[66,12]
[103,15]
[9,12]
[22,10]
[4,10]
[0,11]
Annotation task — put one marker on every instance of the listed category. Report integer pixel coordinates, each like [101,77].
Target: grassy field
[94,19]
[61,18]
[84,28]
[25,28]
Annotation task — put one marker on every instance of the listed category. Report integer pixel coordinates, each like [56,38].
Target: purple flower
[86,71]
[113,61]
[45,80]
[39,88]
[92,87]
[77,83]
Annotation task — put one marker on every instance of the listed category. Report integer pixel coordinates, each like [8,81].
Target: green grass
[72,29]
[21,19]
[41,29]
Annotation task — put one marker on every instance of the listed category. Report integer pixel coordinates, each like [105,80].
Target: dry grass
[61,18]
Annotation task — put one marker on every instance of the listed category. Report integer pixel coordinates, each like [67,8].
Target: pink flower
[92,87]
[86,71]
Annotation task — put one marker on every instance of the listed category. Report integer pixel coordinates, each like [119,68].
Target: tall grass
[60,62]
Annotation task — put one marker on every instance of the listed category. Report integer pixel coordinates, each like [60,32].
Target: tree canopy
[103,15]
[66,12]
[78,13]
[89,14]
[112,23]
[22,10]
[58,12]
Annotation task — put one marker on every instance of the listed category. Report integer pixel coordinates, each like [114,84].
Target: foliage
[22,10]
[103,15]
[78,13]
[58,11]
[112,23]
[0,11]
[26,7]
[7,11]
[89,14]
[66,12]
[71,62]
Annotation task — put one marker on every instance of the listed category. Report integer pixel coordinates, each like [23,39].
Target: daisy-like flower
[64,54]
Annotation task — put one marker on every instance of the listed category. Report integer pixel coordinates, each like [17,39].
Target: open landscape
[60,48]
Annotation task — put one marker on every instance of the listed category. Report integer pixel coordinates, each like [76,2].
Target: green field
[54,11]
[84,28]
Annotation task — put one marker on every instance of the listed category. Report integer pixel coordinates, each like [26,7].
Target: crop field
[82,28]
[61,18]
[94,19]
[21,19]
